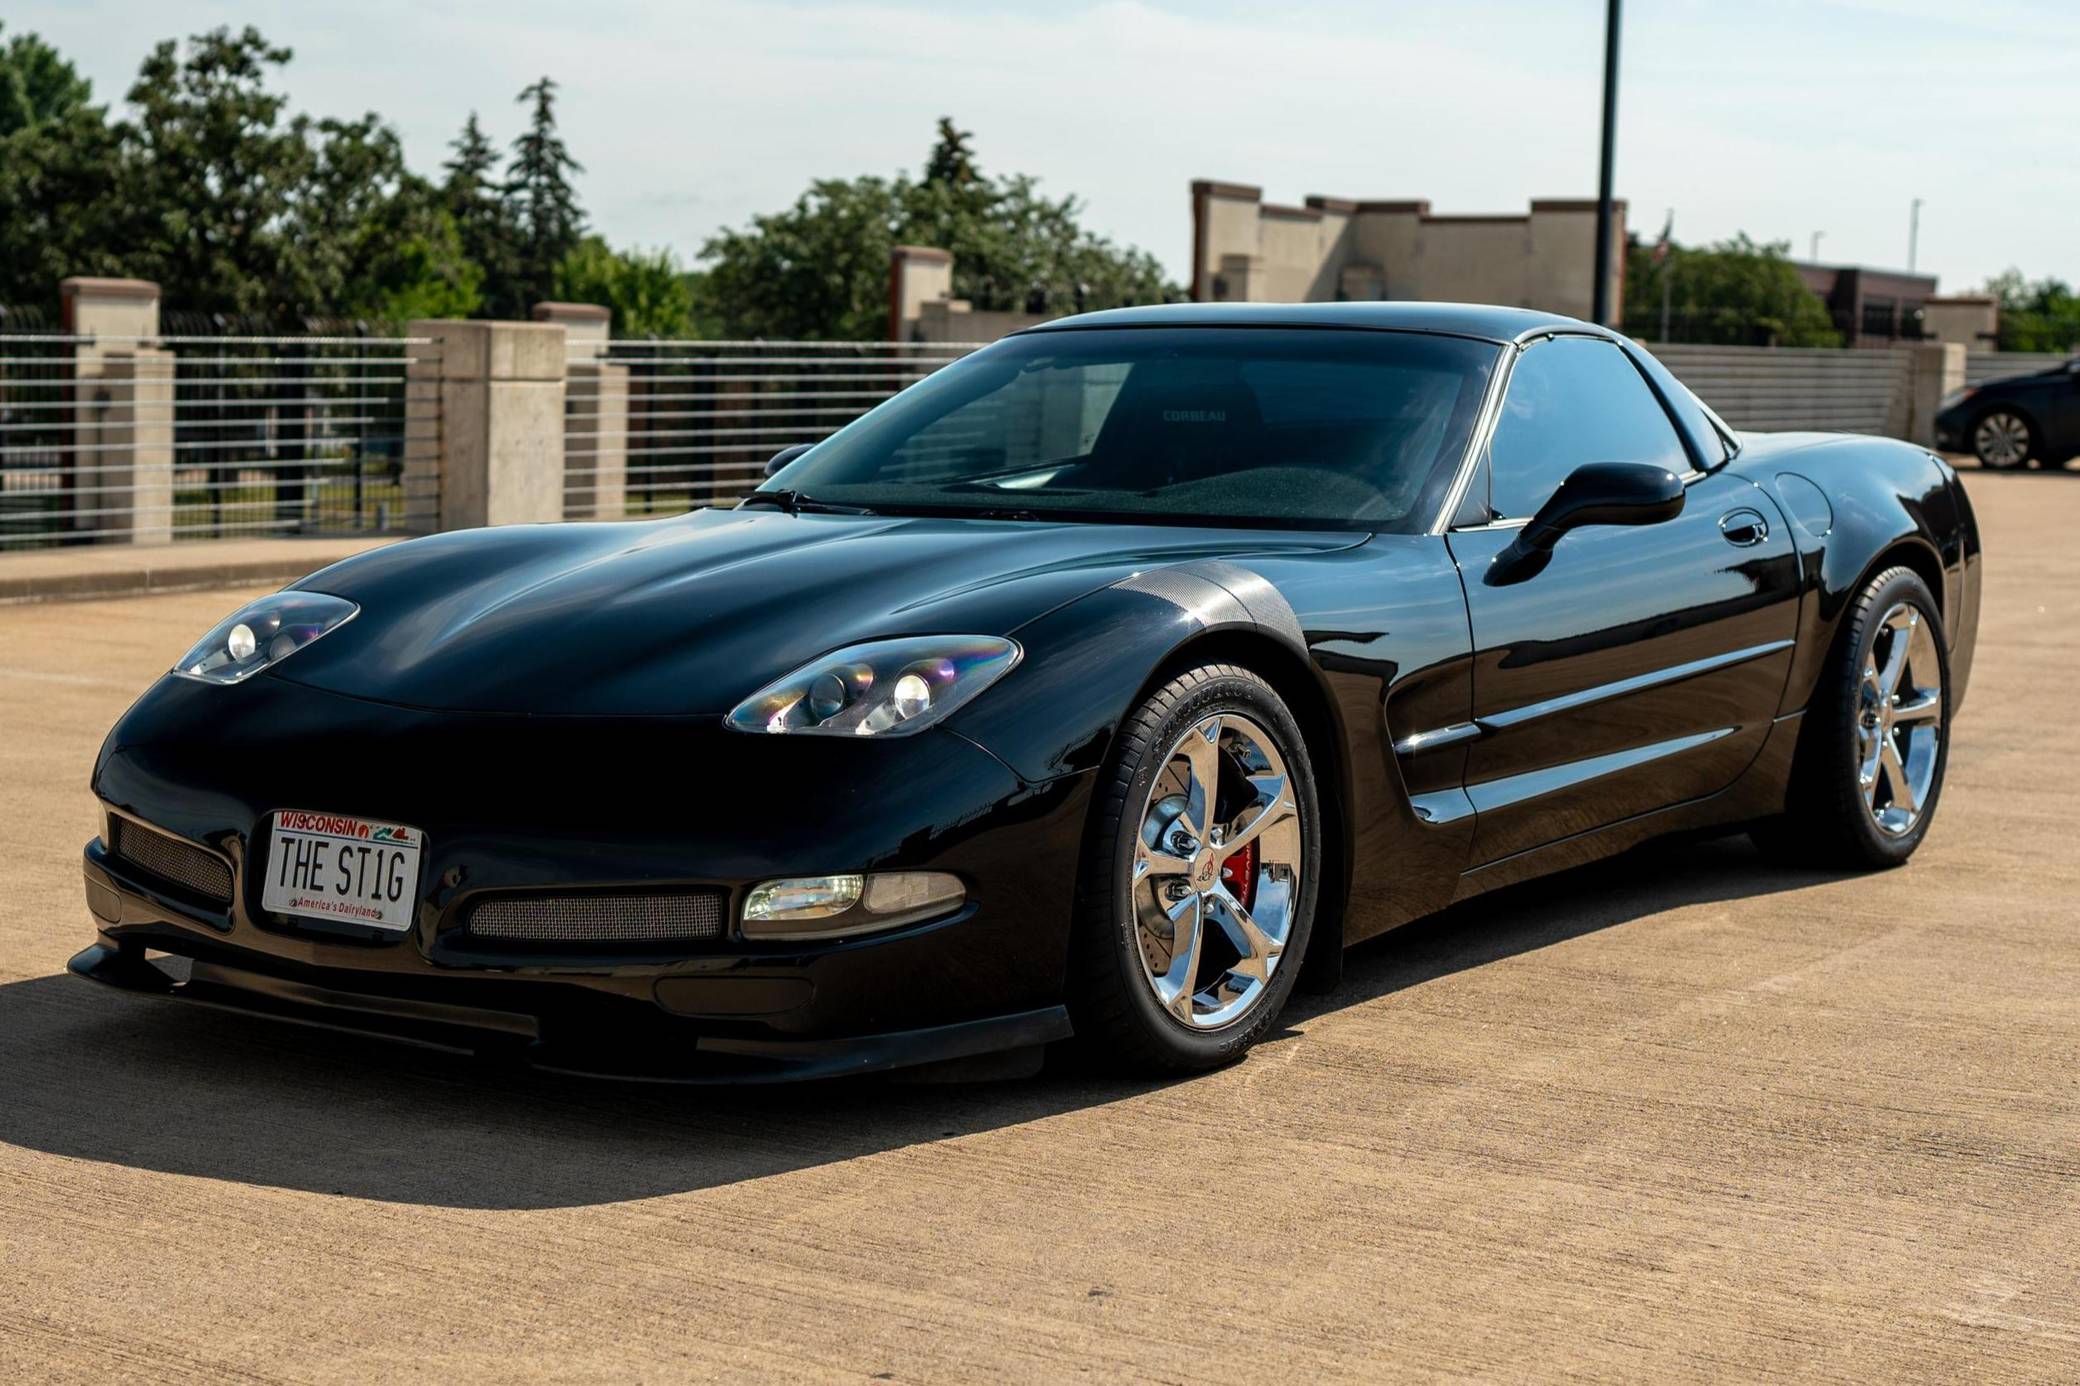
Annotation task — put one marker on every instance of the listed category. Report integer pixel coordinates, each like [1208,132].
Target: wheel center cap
[1204,869]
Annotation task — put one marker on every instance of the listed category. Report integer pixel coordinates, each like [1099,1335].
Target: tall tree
[952,163]
[59,161]
[475,201]
[649,292]
[238,206]
[37,85]
[1739,292]
[816,270]
[819,269]
[214,170]
[380,242]
[2036,315]
[541,200]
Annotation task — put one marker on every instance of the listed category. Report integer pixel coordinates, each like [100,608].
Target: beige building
[1247,250]
[1971,319]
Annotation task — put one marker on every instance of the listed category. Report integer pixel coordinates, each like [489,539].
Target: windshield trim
[1048,329]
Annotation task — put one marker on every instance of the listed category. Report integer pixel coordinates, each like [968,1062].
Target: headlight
[885,688]
[263,633]
[1956,397]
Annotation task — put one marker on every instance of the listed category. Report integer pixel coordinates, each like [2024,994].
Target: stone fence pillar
[1934,369]
[595,436]
[119,482]
[501,399]
[136,469]
[595,441]
[917,274]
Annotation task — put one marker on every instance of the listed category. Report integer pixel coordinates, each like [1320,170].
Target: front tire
[1876,739]
[2003,440]
[1199,879]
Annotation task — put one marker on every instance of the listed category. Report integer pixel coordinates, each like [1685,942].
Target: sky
[1779,118]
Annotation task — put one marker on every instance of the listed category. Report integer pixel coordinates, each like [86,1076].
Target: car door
[1640,666]
[2063,427]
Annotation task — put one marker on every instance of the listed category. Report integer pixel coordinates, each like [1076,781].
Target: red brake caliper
[1239,875]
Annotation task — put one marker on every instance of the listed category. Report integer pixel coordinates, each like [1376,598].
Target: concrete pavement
[1680,1117]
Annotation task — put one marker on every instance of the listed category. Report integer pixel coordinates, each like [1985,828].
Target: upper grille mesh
[171,859]
[602,917]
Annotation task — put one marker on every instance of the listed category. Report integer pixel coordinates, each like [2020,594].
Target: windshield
[1310,427]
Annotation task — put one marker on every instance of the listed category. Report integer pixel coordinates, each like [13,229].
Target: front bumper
[517,1036]
[514,804]
[1952,426]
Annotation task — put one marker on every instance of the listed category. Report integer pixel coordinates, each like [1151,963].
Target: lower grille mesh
[601,917]
[171,859]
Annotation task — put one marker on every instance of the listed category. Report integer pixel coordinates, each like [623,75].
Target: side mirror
[1600,493]
[785,456]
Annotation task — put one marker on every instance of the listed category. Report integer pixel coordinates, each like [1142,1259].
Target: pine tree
[474,197]
[540,202]
[469,171]
[952,163]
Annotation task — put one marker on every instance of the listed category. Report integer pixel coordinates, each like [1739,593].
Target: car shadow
[94,1076]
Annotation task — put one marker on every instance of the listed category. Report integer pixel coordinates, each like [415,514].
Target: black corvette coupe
[2009,422]
[1096,686]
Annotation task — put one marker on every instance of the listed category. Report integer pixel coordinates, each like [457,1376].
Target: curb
[22,589]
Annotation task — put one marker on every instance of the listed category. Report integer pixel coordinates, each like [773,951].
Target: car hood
[693,614]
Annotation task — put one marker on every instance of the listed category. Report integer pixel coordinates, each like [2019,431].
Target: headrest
[1180,419]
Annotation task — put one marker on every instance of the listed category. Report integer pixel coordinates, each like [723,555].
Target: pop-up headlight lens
[262,633]
[885,688]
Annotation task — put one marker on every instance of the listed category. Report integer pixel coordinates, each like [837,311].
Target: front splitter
[514,1037]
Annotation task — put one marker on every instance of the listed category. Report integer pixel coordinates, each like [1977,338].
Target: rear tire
[1201,867]
[1876,739]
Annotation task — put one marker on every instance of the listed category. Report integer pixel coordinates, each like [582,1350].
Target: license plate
[349,870]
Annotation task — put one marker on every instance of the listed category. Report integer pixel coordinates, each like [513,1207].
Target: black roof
[1459,319]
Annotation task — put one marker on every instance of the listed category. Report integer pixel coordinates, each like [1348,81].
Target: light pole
[1601,295]
[1913,234]
[1815,256]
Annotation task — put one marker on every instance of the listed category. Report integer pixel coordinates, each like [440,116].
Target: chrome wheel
[2001,440]
[1217,868]
[1899,727]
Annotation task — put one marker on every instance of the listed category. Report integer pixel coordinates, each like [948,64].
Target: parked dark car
[2008,422]
[1096,687]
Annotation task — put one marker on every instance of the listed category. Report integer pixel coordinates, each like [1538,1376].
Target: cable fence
[658,427]
[36,426]
[194,436]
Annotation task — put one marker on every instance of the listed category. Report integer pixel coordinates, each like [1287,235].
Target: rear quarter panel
[1857,504]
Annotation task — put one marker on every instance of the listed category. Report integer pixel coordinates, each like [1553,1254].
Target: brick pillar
[501,421]
[120,481]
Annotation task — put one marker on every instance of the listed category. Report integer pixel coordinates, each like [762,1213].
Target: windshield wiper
[796,502]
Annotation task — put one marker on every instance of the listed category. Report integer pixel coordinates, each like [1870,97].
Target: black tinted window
[1684,405]
[1573,400]
[1314,427]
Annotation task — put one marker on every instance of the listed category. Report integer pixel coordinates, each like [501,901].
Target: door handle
[1743,528]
